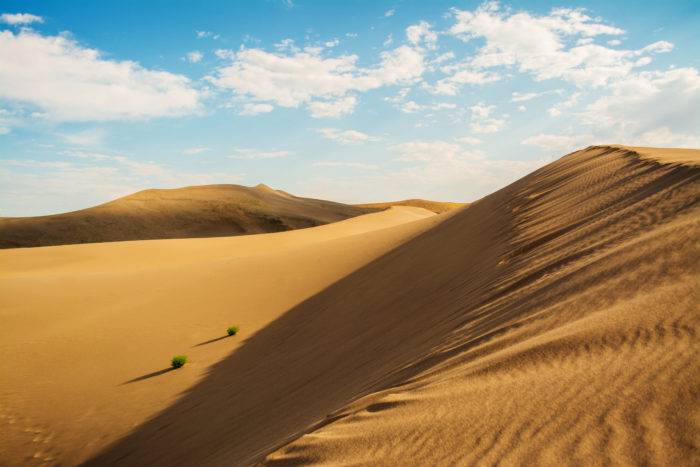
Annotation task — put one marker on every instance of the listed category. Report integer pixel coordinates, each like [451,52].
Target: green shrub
[179,360]
[232,331]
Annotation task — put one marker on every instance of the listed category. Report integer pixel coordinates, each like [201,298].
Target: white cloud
[225,54]
[664,137]
[614,42]
[526,96]
[71,83]
[90,137]
[558,144]
[469,140]
[540,44]
[522,97]
[194,57]
[447,56]
[332,43]
[350,165]
[194,151]
[288,45]
[246,153]
[345,136]
[557,109]
[450,86]
[255,109]
[421,34]
[294,78]
[389,40]
[332,109]
[389,13]
[650,103]
[411,107]
[20,18]
[206,35]
[4,130]
[482,121]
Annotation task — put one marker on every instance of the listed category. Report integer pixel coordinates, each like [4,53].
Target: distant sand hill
[435,206]
[554,321]
[198,211]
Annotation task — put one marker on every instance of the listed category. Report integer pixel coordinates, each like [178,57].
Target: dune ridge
[553,321]
[437,207]
[197,211]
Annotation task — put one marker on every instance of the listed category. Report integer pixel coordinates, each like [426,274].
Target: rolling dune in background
[196,211]
[553,321]
[437,207]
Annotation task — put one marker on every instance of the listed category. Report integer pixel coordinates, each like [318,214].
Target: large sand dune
[554,321]
[199,211]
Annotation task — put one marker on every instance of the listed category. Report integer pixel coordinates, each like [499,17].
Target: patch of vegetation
[179,360]
[232,330]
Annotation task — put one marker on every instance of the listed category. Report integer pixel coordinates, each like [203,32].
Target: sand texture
[200,211]
[553,322]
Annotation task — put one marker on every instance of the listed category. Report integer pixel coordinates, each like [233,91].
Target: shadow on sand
[148,376]
[211,341]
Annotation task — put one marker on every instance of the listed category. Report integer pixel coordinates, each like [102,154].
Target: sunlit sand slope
[553,321]
[197,211]
[88,330]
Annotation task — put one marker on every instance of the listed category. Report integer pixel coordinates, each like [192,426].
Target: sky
[349,101]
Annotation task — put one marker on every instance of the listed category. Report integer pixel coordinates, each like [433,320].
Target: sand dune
[554,321]
[91,350]
[437,207]
[199,211]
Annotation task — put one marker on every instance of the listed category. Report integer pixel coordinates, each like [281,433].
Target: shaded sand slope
[553,321]
[88,330]
[197,211]
[437,207]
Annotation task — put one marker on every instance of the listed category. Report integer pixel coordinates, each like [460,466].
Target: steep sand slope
[198,211]
[437,207]
[553,321]
[579,347]
[88,330]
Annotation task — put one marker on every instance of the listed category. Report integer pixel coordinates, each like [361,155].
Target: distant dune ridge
[553,321]
[198,211]
[437,207]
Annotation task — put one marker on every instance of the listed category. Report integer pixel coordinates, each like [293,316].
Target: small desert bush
[232,331]
[179,360]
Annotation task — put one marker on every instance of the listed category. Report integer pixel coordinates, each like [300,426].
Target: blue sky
[350,101]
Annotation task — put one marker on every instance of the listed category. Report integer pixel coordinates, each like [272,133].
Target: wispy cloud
[247,153]
[194,56]
[349,165]
[345,136]
[20,19]
[194,151]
